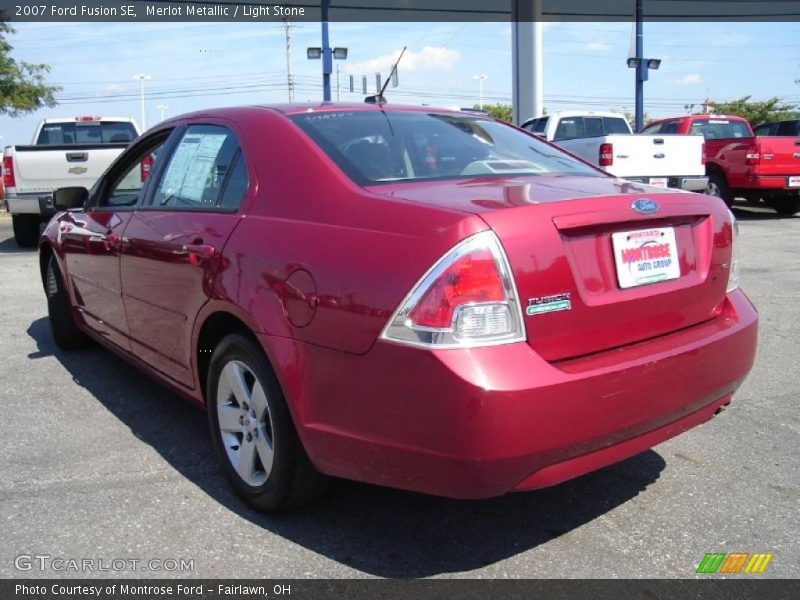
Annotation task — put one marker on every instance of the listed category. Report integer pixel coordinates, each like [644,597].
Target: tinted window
[85,132]
[788,128]
[127,186]
[569,129]
[540,125]
[197,168]
[720,129]
[615,125]
[653,128]
[670,127]
[375,146]
[593,126]
[236,185]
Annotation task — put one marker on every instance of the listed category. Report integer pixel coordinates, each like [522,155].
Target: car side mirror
[70,197]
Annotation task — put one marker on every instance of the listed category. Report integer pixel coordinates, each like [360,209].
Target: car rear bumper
[771,182]
[31,204]
[482,422]
[691,183]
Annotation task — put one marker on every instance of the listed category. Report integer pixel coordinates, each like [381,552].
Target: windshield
[88,132]
[380,147]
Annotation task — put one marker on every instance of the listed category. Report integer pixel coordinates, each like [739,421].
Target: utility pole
[526,59]
[641,69]
[162,109]
[142,78]
[289,76]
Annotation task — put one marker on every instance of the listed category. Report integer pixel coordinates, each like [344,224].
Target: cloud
[689,79]
[597,46]
[429,58]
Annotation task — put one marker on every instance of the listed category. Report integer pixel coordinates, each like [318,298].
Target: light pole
[481,78]
[162,109]
[142,78]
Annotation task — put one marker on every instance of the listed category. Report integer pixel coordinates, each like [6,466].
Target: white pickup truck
[605,139]
[64,153]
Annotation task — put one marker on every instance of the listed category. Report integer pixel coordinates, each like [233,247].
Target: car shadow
[747,212]
[379,531]
[9,246]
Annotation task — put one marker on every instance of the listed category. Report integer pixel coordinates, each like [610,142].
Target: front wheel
[26,230]
[66,333]
[253,432]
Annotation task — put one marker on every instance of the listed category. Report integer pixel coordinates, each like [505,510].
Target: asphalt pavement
[98,462]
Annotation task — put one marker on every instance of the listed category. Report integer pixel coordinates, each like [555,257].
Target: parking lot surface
[99,462]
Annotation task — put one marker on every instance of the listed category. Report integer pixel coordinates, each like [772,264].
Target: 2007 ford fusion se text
[424,299]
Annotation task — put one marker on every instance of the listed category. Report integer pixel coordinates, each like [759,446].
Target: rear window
[720,129]
[570,128]
[376,147]
[88,132]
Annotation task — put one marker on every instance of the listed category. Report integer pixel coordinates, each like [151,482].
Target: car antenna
[379,98]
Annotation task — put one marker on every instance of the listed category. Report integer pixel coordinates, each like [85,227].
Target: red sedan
[424,299]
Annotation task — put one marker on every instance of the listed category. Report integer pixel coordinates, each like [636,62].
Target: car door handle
[110,240]
[199,251]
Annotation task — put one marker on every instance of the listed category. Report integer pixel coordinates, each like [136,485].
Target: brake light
[87,118]
[606,155]
[752,155]
[703,153]
[467,299]
[145,166]
[8,172]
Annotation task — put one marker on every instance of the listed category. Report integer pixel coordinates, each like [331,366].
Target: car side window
[670,127]
[198,170]
[656,128]
[127,185]
[236,185]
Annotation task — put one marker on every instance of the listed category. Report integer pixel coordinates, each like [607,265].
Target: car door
[92,239]
[174,242]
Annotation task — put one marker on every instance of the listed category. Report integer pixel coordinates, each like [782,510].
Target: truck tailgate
[42,169]
[656,155]
[778,156]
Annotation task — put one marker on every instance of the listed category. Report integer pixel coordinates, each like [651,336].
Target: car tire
[718,186]
[786,207]
[252,431]
[66,333]
[26,230]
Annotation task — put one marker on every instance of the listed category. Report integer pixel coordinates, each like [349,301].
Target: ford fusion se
[424,299]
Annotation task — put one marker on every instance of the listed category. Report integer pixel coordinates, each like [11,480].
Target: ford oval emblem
[645,206]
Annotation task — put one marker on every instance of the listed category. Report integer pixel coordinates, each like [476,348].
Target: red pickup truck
[740,164]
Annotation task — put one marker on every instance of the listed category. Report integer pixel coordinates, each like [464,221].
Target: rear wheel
[26,230]
[66,333]
[786,206]
[252,430]
[718,186]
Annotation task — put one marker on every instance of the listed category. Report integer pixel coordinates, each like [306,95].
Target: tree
[631,118]
[503,112]
[22,86]
[756,112]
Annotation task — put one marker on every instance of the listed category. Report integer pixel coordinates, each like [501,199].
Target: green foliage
[499,111]
[756,112]
[22,86]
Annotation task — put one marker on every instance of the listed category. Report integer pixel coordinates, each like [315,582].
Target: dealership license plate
[794,181]
[645,256]
[658,182]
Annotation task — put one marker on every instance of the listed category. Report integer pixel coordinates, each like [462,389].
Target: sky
[202,65]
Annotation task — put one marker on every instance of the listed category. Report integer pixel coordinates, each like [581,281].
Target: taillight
[703,153]
[146,165]
[752,155]
[606,155]
[733,271]
[8,172]
[467,299]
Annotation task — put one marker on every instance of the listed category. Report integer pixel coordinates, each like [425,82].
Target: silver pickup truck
[64,152]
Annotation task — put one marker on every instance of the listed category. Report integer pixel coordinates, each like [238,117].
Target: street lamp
[142,78]
[481,78]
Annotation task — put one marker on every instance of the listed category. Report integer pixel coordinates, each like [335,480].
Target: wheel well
[214,328]
[715,169]
[45,252]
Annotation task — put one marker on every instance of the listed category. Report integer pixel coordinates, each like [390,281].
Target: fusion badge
[546,304]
